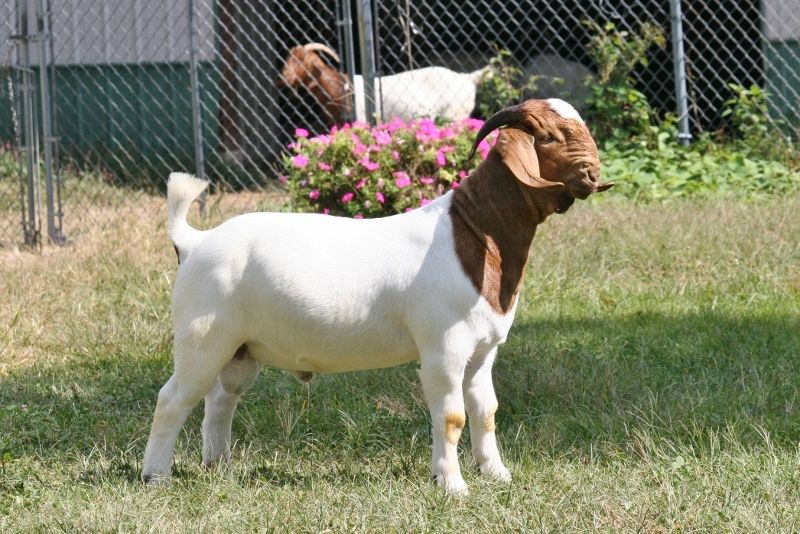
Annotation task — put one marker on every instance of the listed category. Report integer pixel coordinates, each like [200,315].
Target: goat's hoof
[152,479]
[495,470]
[215,462]
[453,485]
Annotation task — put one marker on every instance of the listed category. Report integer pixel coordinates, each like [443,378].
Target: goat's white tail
[182,189]
[477,75]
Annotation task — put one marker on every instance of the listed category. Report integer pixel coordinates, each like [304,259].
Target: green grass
[649,384]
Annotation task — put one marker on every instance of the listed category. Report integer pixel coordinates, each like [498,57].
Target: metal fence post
[367,49]
[54,232]
[197,116]
[349,49]
[26,26]
[679,63]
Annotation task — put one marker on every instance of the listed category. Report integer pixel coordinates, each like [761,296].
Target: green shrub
[705,168]
[615,109]
[504,84]
[359,171]
[752,129]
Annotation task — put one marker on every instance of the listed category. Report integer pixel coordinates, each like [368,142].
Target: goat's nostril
[593,175]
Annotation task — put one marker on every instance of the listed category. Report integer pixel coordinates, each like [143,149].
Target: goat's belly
[323,350]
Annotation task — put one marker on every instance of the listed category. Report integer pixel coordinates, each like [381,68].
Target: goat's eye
[544,139]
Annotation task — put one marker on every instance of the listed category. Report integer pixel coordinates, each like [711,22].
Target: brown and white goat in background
[425,92]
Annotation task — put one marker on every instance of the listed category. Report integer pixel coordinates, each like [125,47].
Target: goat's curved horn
[510,115]
[322,48]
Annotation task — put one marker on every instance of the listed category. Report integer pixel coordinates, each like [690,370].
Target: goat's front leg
[481,405]
[441,376]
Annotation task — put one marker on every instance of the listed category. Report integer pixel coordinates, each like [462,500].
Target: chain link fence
[121,92]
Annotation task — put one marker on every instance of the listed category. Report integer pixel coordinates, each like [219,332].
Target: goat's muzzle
[587,181]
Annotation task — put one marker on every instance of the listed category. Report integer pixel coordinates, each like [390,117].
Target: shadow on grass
[563,385]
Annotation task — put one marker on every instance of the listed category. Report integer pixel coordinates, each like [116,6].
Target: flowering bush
[359,171]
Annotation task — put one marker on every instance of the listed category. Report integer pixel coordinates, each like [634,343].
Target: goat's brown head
[304,67]
[303,63]
[547,146]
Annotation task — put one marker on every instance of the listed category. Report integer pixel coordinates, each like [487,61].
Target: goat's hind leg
[195,371]
[220,404]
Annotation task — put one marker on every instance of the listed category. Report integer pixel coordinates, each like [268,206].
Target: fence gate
[28,88]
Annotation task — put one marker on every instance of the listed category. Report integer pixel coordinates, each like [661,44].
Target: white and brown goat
[317,294]
[424,92]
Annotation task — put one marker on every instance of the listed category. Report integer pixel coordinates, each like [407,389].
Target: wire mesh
[122,71]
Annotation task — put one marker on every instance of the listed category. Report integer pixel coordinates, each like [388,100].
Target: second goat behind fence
[425,92]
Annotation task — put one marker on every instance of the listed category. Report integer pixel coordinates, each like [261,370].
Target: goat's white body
[312,293]
[425,92]
[327,294]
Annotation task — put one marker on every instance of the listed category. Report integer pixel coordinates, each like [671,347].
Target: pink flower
[324,166]
[359,148]
[367,164]
[283,178]
[334,129]
[462,174]
[441,159]
[409,209]
[313,194]
[382,137]
[360,124]
[395,155]
[401,179]
[299,161]
[446,133]
[395,124]
[347,197]
[361,183]
[474,124]
[455,185]
[380,197]
[358,216]
[300,132]
[424,201]
[324,139]
[427,180]
[483,148]
[326,211]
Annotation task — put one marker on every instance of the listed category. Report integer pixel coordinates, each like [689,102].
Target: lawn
[649,384]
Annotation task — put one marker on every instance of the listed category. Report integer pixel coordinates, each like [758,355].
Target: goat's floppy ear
[518,153]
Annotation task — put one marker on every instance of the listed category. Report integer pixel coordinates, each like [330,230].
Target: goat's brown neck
[494,220]
[330,90]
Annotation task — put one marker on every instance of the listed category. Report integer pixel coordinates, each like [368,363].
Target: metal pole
[27,28]
[376,58]
[47,133]
[197,116]
[367,49]
[349,49]
[54,126]
[679,61]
